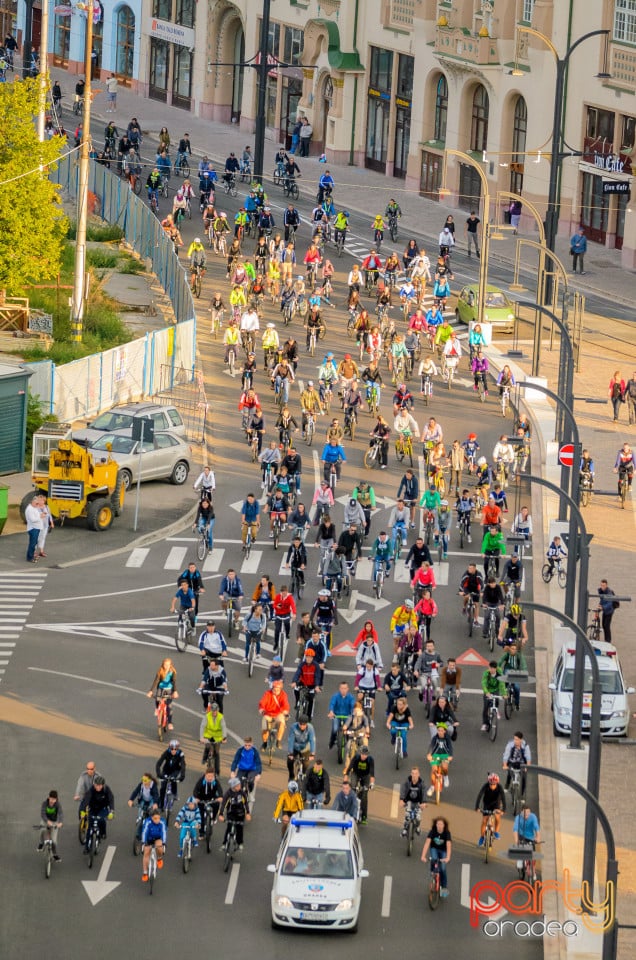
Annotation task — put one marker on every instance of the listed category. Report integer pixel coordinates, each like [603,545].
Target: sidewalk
[420,216]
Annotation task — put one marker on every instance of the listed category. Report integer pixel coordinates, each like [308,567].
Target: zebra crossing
[18,593]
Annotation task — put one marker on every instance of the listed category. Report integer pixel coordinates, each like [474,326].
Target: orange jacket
[273,704]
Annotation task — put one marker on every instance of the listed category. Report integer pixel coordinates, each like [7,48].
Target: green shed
[14,395]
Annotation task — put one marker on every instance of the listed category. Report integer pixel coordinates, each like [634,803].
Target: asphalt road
[74,688]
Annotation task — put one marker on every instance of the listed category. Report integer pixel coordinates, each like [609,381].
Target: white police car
[614,704]
[318,873]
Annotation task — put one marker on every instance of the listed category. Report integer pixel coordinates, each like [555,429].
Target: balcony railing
[398,14]
[622,67]
[459,42]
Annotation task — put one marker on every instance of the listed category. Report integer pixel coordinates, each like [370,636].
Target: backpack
[616,391]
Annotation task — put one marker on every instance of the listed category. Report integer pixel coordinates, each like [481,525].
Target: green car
[498,309]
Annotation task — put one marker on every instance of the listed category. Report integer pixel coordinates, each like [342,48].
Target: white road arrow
[465,895]
[353,612]
[100,888]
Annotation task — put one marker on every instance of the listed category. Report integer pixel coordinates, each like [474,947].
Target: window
[293,45]
[405,77]
[273,39]
[625,21]
[61,40]
[526,11]
[162,9]
[441,108]
[479,125]
[182,77]
[381,69]
[185,13]
[627,137]
[125,43]
[600,124]
[519,130]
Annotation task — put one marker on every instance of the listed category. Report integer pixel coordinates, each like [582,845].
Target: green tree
[32,222]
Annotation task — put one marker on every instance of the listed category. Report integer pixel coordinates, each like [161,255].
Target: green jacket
[494,542]
[512,661]
[432,501]
[366,498]
[493,685]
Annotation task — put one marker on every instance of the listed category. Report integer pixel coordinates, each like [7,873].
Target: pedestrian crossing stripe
[18,593]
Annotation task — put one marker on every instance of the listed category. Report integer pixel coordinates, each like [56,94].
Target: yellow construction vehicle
[75,483]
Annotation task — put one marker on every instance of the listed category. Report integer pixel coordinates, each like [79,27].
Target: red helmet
[347,356]
[493,778]
[472,436]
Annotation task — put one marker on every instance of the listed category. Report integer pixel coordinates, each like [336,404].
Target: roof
[14,370]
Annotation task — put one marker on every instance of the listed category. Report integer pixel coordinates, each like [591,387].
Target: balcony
[398,15]
[622,67]
[460,44]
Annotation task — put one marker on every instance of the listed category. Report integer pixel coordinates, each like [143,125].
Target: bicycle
[310,429]
[184,632]
[297,584]
[197,276]
[251,653]
[464,528]
[47,850]
[247,549]
[411,822]
[153,201]
[481,387]
[623,485]
[509,702]
[277,528]
[186,852]
[400,538]
[586,483]
[290,188]
[229,187]
[594,628]
[404,448]
[516,793]
[340,242]
[362,788]
[489,834]
[341,738]
[162,712]
[372,401]
[379,575]
[142,813]
[350,421]
[491,627]
[505,401]
[203,543]
[434,888]
[393,228]
[372,456]
[169,798]
[428,692]
[493,717]
[469,613]
[429,527]
[93,838]
[231,846]
[548,570]
[427,388]
[152,868]
[208,824]
[399,746]
[437,775]
[528,869]
[182,167]
[269,746]
[78,106]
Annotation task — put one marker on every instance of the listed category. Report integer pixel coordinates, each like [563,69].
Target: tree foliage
[32,221]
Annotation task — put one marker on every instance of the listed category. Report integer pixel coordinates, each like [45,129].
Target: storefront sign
[403,103]
[601,155]
[616,186]
[172,32]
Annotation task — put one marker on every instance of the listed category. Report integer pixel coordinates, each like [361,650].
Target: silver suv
[119,419]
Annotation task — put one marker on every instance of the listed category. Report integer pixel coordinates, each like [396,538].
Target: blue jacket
[154,831]
[298,740]
[342,706]
[246,761]
[233,588]
[578,243]
[250,511]
[331,454]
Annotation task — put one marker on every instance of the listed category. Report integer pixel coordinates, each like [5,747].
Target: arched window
[479,125]
[125,43]
[441,108]
[519,131]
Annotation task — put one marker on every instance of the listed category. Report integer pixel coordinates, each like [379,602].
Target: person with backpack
[516,756]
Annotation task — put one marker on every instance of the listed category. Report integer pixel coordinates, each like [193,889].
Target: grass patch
[110,231]
[129,264]
[101,259]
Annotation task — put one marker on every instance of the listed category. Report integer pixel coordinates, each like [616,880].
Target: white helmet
[197,239]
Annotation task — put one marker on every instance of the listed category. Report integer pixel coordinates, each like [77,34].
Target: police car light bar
[338,824]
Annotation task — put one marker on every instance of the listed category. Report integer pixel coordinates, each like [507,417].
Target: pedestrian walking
[606,607]
[616,392]
[306,133]
[47,524]
[472,226]
[33,519]
[578,247]
[111,93]
[515,214]
[630,398]
[295,140]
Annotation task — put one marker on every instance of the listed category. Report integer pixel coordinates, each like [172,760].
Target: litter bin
[4,505]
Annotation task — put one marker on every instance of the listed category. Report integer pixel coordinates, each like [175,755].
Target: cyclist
[254,627]
[426,610]
[624,466]
[516,756]
[340,706]
[98,801]
[301,742]
[440,752]
[505,380]
[503,452]
[491,514]
[165,685]
[381,554]
[145,794]
[247,763]
[438,846]
[403,616]
[492,685]
[491,799]
[451,678]
[346,802]
[393,210]
[400,718]
[399,520]
[170,767]
[274,707]
[250,518]
[380,434]
[378,226]
[196,256]
[327,374]
[479,367]
[514,660]
[325,186]
[208,790]
[493,545]
[192,575]
[523,524]
[405,425]
[444,523]
[362,771]
[402,399]
[492,599]
[412,798]
[235,809]
[372,265]
[424,578]
[291,221]
[464,505]
[317,785]
[290,801]
[513,574]
[514,628]
[555,552]
[154,834]
[284,610]
[332,457]
[153,184]
[341,224]
[188,821]
[51,819]
[186,600]
[296,558]
[308,675]
[325,613]
[231,588]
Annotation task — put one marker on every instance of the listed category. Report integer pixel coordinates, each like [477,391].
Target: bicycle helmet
[481,462]
[271,326]
[214,705]
[197,239]
[174,745]
[493,778]
[233,782]
[347,356]
[323,593]
[299,276]
[402,386]
[441,725]
[222,215]
[292,786]
[276,658]
[364,750]
[444,503]
[310,383]
[310,653]
[98,780]
[408,604]
[303,718]
[472,436]
[515,609]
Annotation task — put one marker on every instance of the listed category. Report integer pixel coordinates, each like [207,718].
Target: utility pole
[28,36]
[79,277]
[263,67]
[44,70]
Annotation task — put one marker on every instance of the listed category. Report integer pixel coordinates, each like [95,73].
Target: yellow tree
[32,222]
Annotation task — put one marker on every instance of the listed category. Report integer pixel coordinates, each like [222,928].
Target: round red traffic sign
[566,454]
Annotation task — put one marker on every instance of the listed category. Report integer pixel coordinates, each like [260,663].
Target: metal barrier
[187,393]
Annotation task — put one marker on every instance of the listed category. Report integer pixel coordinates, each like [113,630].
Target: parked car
[166,458]
[318,873]
[164,416]
[498,309]
[614,703]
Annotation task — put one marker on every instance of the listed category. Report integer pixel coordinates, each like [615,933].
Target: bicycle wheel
[393,232]
[283,641]
[398,751]
[340,745]
[152,870]
[197,285]
[250,658]
[433,891]
[82,827]
[187,853]
[562,575]
[202,547]
[508,706]
[487,844]
[410,834]
[370,458]
[184,169]
[438,788]
[208,831]
[167,804]
[471,622]
[399,451]
[378,584]
[504,404]
[276,533]
[180,638]
[585,497]
[546,572]
[136,845]
[491,635]
[515,797]
[229,850]
[48,860]
[92,847]
[594,631]
[492,729]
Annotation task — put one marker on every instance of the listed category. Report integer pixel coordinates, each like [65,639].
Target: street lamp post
[263,67]
[557,154]
[485,240]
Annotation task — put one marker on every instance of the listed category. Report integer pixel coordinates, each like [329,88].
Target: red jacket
[274,704]
[284,606]
[360,638]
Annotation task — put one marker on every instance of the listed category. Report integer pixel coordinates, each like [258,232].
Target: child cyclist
[188,820]
[378,229]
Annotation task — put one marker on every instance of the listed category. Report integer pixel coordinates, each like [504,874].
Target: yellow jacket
[403,618]
[289,802]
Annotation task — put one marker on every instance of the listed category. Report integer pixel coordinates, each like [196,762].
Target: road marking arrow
[100,888]
[353,612]
[465,895]
[344,649]
[470,658]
